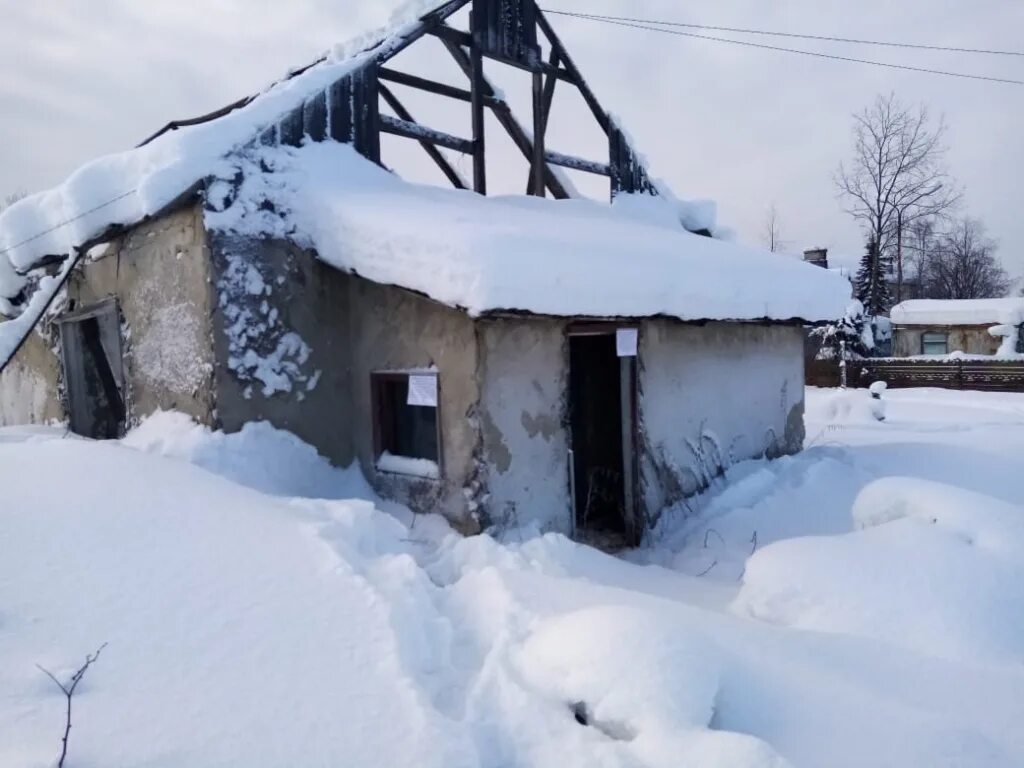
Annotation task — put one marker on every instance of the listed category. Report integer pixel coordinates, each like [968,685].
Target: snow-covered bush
[852,333]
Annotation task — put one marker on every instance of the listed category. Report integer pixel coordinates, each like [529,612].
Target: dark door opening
[93,372]
[601,415]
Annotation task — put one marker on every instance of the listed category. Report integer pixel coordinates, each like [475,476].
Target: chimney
[817,256]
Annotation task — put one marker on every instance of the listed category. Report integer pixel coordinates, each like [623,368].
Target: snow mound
[846,406]
[663,705]
[931,567]
[513,253]
[260,456]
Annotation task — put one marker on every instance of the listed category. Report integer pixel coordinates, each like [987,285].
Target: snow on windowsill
[405,465]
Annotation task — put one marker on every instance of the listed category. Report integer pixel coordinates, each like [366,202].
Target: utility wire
[826,38]
[64,223]
[763,46]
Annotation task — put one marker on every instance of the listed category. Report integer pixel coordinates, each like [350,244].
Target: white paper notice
[625,342]
[423,391]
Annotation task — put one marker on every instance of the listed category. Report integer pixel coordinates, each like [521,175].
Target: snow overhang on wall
[523,254]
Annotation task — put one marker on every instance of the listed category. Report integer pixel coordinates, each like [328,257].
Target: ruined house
[564,362]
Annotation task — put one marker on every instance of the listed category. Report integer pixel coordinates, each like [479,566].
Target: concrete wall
[524,375]
[160,274]
[28,386]
[392,329]
[971,339]
[296,344]
[712,395]
[282,337]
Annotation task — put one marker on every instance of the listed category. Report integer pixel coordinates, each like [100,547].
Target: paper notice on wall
[626,341]
[423,391]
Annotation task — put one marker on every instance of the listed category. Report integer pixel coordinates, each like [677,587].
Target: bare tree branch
[68,690]
[897,175]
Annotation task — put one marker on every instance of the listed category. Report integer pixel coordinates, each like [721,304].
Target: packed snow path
[877,622]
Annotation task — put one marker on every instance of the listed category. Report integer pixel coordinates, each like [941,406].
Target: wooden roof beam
[432,151]
[410,130]
[503,113]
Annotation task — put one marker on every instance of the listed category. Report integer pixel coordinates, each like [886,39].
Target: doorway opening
[602,396]
[93,371]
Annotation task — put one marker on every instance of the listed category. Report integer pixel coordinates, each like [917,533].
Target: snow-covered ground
[861,604]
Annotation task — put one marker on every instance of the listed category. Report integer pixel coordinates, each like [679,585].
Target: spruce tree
[870,286]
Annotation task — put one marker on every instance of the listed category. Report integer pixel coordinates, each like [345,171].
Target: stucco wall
[392,329]
[159,273]
[297,342]
[524,373]
[971,339]
[712,395]
[281,337]
[28,386]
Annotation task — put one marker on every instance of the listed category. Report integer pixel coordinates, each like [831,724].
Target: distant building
[970,326]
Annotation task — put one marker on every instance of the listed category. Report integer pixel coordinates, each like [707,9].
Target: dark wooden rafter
[411,130]
[543,109]
[538,163]
[428,146]
[576,76]
[577,163]
[423,84]
[477,81]
[503,113]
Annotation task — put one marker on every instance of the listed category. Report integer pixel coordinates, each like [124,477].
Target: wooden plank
[435,154]
[421,83]
[577,163]
[452,35]
[314,117]
[577,78]
[476,76]
[410,130]
[537,163]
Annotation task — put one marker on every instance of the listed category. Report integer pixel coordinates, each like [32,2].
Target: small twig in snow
[707,570]
[68,689]
[708,533]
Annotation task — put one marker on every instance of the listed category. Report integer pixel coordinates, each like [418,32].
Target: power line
[766,47]
[826,38]
[64,223]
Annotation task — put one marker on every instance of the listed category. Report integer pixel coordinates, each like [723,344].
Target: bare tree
[897,175]
[772,229]
[964,265]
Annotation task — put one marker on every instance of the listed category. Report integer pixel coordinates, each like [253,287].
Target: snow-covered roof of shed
[494,254]
[959,312]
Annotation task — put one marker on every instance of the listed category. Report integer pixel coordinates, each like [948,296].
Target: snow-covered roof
[492,254]
[959,312]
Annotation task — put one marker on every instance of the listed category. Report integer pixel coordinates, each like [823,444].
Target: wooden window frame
[378,381]
[925,342]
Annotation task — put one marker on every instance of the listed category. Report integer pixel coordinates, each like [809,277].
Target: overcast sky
[743,127]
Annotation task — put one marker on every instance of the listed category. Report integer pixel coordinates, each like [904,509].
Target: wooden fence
[990,375]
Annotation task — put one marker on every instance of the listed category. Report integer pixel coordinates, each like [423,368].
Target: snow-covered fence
[990,375]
